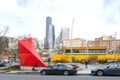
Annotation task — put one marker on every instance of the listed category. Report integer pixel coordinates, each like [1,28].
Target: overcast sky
[93,18]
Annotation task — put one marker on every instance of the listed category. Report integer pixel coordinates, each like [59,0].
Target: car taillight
[73,67]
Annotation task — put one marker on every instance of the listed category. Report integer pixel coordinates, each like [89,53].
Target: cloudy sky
[92,18]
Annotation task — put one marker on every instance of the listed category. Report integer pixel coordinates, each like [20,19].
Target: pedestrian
[86,63]
[36,65]
[33,69]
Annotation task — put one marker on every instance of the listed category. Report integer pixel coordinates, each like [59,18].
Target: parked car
[113,69]
[59,69]
[2,63]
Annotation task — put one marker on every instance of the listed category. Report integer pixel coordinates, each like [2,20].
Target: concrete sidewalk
[81,70]
[86,70]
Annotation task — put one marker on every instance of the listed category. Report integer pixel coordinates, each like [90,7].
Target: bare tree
[3,33]
[3,39]
[38,47]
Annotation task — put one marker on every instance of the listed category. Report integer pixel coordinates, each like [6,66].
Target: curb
[37,72]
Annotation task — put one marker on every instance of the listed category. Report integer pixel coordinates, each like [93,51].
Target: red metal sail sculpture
[28,54]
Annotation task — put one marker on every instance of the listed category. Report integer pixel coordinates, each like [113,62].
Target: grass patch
[12,68]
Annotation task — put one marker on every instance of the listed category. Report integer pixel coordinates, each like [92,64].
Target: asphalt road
[54,77]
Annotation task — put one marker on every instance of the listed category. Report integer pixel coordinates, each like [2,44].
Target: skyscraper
[50,34]
[51,37]
[48,23]
[64,34]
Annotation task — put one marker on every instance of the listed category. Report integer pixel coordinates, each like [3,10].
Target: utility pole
[87,50]
[115,47]
[71,39]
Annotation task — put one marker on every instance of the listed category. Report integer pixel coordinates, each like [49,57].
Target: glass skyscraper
[50,34]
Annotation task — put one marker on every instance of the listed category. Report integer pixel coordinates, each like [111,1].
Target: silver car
[113,69]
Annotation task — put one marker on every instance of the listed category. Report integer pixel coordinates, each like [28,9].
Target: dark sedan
[59,69]
[113,69]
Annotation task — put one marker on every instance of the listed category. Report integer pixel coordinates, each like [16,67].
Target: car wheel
[66,73]
[43,72]
[100,73]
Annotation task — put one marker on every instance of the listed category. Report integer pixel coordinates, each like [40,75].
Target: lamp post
[86,50]
[71,40]
[108,49]
[115,47]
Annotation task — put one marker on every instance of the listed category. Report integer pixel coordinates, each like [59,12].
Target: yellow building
[94,50]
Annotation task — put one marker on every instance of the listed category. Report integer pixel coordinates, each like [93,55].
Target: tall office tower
[57,40]
[48,23]
[53,36]
[64,34]
[50,35]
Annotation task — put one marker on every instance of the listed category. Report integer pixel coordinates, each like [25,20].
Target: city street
[59,39]
[54,77]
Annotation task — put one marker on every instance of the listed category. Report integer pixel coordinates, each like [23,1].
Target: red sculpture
[28,54]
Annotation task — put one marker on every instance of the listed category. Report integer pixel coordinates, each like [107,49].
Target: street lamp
[71,40]
[86,50]
[108,49]
[115,45]
[115,48]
